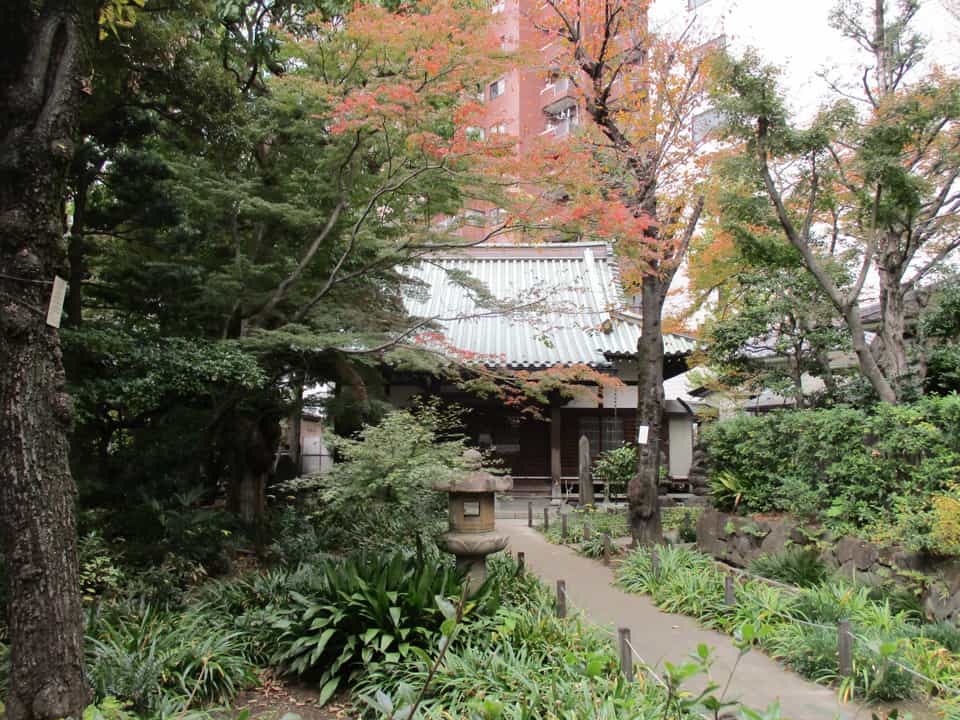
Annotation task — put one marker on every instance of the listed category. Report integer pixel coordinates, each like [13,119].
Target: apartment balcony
[558,96]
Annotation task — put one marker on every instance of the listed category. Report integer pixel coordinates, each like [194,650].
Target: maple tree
[873,177]
[269,217]
[631,176]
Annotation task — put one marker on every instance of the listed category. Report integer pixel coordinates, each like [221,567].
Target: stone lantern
[472,534]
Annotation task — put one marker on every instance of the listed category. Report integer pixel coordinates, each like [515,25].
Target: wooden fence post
[626,654]
[586,532]
[530,513]
[563,526]
[729,594]
[561,598]
[845,648]
[521,563]
[655,563]
[546,519]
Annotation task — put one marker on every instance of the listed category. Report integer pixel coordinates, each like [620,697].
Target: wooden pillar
[556,443]
[585,475]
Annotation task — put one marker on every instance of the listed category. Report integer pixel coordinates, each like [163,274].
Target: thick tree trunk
[892,355]
[643,492]
[42,64]
[254,450]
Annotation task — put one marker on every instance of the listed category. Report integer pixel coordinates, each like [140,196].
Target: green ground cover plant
[800,627]
[795,566]
[522,662]
[600,521]
[890,473]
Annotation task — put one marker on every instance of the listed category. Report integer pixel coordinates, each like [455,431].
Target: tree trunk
[254,449]
[892,355]
[643,492]
[41,68]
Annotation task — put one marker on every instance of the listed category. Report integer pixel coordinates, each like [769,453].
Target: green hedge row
[873,472]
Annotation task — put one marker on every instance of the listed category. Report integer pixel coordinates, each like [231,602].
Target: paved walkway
[658,636]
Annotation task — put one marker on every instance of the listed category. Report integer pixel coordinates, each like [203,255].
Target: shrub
[943,633]
[100,573]
[389,471]
[615,467]
[682,519]
[883,474]
[796,566]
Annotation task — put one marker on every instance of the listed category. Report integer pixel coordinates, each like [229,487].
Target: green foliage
[876,474]
[389,470]
[364,611]
[796,566]
[616,467]
[153,659]
[801,627]
[100,573]
[940,327]
[683,520]
[523,663]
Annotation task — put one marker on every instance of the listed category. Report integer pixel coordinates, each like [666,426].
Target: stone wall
[739,540]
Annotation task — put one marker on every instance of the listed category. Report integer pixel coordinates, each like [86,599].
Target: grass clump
[796,566]
[800,627]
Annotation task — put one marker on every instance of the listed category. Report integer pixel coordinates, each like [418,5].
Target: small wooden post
[586,532]
[561,598]
[729,594]
[845,648]
[530,513]
[655,563]
[546,519]
[563,526]
[626,654]
[607,547]
[521,563]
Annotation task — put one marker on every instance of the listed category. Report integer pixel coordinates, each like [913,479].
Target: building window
[498,129]
[497,88]
[603,432]
[476,134]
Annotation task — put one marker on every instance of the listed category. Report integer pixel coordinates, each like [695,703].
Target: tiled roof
[557,304]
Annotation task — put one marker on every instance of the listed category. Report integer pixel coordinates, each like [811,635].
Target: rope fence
[845,635]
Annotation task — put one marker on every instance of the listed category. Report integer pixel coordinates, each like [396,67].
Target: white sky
[796,36]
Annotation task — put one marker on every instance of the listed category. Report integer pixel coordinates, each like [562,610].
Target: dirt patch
[275,698]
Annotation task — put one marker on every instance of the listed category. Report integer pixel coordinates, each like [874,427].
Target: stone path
[658,636]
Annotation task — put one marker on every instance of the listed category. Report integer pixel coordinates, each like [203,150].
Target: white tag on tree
[642,432]
[57,296]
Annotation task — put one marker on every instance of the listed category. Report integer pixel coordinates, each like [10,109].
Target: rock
[858,552]
[712,533]
[775,542]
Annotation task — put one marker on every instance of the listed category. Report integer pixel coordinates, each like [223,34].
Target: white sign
[57,295]
[642,432]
